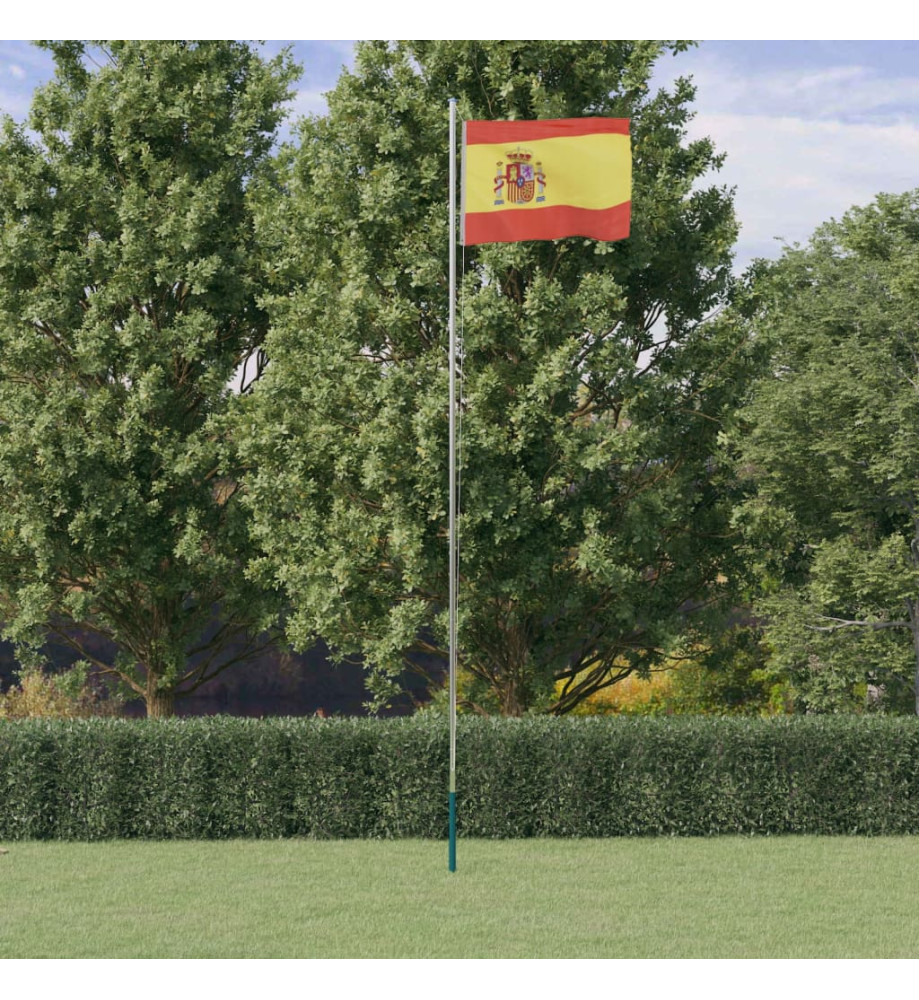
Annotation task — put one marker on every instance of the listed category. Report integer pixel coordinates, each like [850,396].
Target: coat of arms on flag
[519,180]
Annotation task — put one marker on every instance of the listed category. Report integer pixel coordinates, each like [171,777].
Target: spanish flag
[543,180]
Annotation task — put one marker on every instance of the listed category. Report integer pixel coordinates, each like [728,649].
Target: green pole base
[452,849]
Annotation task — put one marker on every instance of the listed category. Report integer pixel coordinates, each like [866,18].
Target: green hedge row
[584,777]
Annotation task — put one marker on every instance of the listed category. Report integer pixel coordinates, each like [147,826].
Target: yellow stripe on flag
[584,171]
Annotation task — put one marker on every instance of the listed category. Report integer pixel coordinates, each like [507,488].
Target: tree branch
[849,623]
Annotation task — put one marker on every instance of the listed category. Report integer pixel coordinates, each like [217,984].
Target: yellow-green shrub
[42,696]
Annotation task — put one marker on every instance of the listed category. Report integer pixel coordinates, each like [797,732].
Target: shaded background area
[280,682]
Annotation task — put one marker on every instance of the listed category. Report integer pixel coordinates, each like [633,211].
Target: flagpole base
[451,853]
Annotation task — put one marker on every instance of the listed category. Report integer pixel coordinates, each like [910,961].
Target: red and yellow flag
[542,180]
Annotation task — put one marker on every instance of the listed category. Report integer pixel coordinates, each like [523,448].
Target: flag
[542,180]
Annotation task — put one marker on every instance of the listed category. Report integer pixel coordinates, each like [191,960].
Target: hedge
[91,779]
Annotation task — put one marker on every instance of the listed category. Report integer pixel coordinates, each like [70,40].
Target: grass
[729,897]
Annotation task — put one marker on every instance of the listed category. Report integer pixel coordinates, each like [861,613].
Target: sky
[810,128]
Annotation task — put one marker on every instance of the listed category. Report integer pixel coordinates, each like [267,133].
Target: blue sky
[809,127]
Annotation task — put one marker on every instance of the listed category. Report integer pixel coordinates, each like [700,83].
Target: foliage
[68,695]
[830,441]
[594,530]
[742,686]
[733,677]
[533,777]
[128,278]
[633,695]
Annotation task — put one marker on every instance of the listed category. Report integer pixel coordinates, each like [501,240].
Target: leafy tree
[831,441]
[128,283]
[592,515]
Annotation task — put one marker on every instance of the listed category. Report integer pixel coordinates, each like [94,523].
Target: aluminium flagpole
[453,568]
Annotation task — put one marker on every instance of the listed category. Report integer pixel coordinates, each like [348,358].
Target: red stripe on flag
[529,131]
[551,223]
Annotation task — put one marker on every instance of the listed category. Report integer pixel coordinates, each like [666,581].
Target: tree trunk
[914,628]
[511,704]
[160,703]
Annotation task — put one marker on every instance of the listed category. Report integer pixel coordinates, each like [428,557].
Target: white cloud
[792,174]
[849,92]
[806,136]
[15,70]
[26,55]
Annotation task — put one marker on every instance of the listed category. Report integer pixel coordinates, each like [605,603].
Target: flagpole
[453,567]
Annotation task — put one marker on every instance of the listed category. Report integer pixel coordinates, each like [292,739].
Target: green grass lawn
[789,897]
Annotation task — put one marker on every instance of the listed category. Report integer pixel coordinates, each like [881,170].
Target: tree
[830,440]
[128,286]
[593,519]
